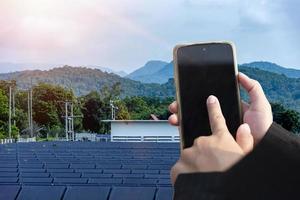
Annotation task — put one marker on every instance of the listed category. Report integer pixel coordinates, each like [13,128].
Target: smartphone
[200,70]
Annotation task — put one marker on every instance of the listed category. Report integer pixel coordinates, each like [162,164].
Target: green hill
[277,87]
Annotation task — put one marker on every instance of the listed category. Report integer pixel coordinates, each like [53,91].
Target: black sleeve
[270,171]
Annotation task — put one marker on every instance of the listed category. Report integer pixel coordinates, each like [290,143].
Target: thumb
[244,138]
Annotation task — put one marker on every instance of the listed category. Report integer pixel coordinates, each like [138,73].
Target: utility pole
[69,120]
[72,122]
[14,107]
[31,124]
[113,109]
[28,108]
[9,117]
[66,120]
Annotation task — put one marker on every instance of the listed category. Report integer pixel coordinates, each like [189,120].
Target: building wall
[147,130]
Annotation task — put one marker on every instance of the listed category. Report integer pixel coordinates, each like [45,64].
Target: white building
[143,130]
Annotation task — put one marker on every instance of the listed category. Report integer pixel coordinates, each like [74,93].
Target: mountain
[83,80]
[277,86]
[153,72]
[8,67]
[162,75]
[109,70]
[272,67]
[144,74]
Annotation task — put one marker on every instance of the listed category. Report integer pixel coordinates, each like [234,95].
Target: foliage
[48,104]
[134,100]
[289,119]
[91,111]
[142,107]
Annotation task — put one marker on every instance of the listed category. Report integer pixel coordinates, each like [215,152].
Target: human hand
[257,114]
[216,152]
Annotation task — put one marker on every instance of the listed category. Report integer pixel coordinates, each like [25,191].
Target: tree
[122,112]
[48,105]
[3,115]
[91,110]
[289,119]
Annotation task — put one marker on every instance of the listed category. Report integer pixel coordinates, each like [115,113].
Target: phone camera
[204,49]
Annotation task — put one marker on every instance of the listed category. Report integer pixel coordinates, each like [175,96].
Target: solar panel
[95,175]
[35,180]
[31,165]
[109,166]
[132,193]
[41,192]
[9,174]
[86,193]
[139,181]
[70,180]
[164,193]
[60,170]
[82,166]
[65,175]
[8,165]
[9,192]
[8,169]
[158,176]
[57,165]
[164,181]
[167,167]
[106,180]
[31,170]
[116,171]
[89,170]
[78,170]
[128,175]
[131,166]
[8,179]
[146,171]
[26,174]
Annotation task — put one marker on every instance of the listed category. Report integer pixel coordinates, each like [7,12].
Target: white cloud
[124,34]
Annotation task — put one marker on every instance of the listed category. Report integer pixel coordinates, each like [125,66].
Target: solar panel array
[87,170]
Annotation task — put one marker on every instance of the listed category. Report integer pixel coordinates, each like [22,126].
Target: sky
[125,34]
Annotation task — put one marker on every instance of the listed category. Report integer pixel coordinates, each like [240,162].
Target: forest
[48,103]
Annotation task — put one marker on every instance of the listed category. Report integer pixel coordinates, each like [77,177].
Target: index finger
[216,118]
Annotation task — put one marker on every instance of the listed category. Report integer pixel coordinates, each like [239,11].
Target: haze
[125,34]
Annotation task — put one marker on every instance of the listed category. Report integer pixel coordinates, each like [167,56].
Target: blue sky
[125,34]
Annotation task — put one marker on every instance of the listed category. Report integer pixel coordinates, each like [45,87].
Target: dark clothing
[270,171]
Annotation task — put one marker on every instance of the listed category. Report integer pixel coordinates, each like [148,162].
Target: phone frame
[176,78]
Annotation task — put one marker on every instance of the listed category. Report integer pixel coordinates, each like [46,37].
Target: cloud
[125,34]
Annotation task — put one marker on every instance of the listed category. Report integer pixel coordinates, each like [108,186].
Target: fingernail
[242,74]
[211,99]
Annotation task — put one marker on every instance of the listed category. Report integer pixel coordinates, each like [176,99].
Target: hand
[217,152]
[258,114]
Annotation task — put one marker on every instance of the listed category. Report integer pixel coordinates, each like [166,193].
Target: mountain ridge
[163,74]
[82,80]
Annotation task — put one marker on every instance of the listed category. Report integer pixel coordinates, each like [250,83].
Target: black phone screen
[203,70]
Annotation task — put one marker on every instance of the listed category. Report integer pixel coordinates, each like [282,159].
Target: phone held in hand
[204,69]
